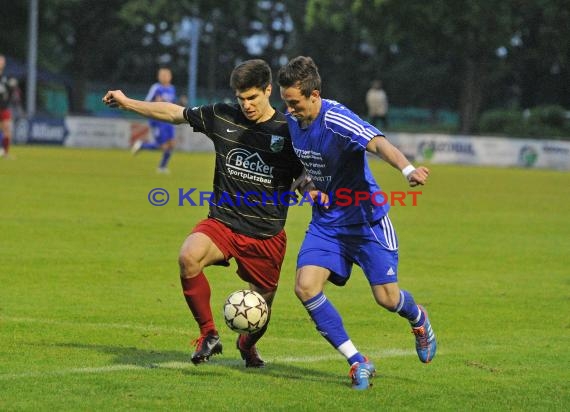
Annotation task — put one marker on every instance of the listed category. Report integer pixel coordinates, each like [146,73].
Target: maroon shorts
[5,114]
[258,260]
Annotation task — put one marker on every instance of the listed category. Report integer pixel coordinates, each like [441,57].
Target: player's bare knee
[300,293]
[304,293]
[387,303]
[189,267]
[387,296]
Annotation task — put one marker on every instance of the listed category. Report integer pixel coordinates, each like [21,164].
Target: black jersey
[5,92]
[255,165]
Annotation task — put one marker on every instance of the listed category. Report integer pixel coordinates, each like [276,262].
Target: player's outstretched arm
[164,111]
[381,147]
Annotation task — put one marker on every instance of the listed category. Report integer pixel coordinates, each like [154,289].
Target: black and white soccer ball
[245,311]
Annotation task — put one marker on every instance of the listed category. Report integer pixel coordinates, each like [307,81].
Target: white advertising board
[97,132]
[485,151]
[434,148]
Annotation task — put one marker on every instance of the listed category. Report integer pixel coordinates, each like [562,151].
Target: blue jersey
[333,150]
[161,93]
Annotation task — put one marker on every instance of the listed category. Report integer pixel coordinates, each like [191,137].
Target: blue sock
[165,158]
[408,309]
[329,324]
[149,146]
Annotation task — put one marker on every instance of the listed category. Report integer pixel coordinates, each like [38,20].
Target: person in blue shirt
[331,142]
[163,133]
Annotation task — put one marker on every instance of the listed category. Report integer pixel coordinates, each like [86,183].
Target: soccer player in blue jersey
[163,133]
[331,141]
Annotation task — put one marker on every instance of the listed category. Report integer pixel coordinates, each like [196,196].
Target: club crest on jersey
[243,164]
[277,143]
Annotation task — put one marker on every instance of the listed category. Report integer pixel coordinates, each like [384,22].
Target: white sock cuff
[347,349]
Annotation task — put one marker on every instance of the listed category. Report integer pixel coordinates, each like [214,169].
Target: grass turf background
[92,317]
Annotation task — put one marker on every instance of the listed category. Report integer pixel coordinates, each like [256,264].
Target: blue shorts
[372,246]
[162,132]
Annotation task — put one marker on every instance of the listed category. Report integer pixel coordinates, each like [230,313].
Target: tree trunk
[471,95]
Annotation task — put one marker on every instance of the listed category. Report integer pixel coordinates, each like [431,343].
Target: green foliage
[459,39]
[334,14]
[502,121]
[552,115]
[440,54]
[539,122]
[13,18]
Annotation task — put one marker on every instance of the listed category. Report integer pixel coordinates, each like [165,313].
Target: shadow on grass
[284,371]
[176,360]
[130,355]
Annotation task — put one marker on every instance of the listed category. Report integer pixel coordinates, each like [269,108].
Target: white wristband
[407,171]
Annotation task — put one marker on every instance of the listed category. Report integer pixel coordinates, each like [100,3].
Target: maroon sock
[5,144]
[247,341]
[197,294]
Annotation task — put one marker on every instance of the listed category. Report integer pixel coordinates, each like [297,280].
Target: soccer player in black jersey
[6,93]
[253,154]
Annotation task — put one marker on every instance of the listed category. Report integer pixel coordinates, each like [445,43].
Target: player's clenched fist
[419,176]
[115,98]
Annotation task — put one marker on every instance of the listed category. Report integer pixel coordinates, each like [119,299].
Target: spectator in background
[163,133]
[7,88]
[16,102]
[377,103]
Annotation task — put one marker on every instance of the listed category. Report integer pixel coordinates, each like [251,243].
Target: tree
[539,53]
[334,39]
[13,23]
[459,35]
[460,54]
[464,51]
[84,44]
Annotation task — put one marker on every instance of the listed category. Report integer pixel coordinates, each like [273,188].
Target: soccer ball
[245,311]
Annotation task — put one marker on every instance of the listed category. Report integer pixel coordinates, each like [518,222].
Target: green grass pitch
[92,317]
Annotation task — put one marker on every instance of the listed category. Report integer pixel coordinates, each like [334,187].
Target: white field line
[191,331]
[389,353]
[187,365]
[70,371]
[96,325]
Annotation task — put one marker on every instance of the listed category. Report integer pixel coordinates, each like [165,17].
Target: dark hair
[301,72]
[251,73]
